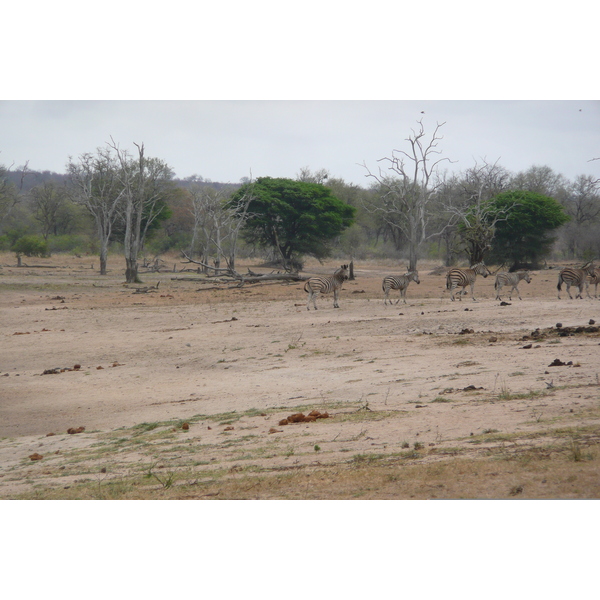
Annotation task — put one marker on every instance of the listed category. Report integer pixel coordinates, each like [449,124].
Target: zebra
[464,277]
[511,279]
[325,284]
[595,280]
[398,282]
[575,277]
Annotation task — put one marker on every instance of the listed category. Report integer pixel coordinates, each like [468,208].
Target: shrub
[75,244]
[31,245]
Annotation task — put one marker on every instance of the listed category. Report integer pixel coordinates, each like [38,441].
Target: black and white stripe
[594,280]
[324,285]
[503,278]
[464,277]
[576,278]
[398,282]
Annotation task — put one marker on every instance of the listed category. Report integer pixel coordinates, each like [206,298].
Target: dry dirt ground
[181,389]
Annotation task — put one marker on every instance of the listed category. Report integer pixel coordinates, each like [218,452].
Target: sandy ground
[185,350]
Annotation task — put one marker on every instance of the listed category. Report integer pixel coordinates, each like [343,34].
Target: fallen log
[145,290]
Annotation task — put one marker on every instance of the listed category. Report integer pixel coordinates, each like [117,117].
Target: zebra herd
[455,278]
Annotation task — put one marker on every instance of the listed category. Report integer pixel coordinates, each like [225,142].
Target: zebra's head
[527,277]
[414,276]
[481,269]
[342,272]
[589,268]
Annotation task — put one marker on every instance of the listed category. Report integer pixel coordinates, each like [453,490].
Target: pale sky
[227,140]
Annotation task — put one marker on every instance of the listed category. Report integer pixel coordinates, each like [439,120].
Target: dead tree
[409,187]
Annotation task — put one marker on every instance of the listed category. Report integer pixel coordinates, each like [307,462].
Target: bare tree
[221,222]
[49,201]
[208,212]
[97,186]
[541,180]
[582,204]
[467,201]
[409,187]
[144,189]
[583,199]
[9,194]
[319,176]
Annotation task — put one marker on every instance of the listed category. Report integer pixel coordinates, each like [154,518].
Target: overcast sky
[227,140]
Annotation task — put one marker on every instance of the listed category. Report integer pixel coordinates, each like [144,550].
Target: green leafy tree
[294,217]
[524,237]
[31,245]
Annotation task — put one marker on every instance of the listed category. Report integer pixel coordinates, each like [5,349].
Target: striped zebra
[398,282]
[325,284]
[511,279]
[575,277]
[594,280]
[464,277]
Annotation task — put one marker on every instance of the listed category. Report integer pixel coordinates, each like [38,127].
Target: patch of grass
[143,427]
[369,415]
[367,458]
[441,399]
[506,395]
[576,453]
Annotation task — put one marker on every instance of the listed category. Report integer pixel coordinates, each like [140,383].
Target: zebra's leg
[312,295]
[385,296]
[518,293]
[452,293]
[498,292]
[569,290]
[335,299]
[472,290]
[580,294]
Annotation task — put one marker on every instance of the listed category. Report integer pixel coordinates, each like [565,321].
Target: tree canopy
[294,217]
[524,235]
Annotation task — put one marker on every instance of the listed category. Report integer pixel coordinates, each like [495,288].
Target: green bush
[73,244]
[31,245]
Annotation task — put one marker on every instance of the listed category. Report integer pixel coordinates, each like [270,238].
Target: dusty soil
[404,385]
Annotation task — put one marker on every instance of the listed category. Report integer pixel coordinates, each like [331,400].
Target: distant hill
[33,178]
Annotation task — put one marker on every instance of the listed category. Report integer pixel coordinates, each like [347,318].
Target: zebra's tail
[560,280]
[306,287]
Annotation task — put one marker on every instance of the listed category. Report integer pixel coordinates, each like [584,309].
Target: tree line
[411,207]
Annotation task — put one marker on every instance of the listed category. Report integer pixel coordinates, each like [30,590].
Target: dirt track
[388,376]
